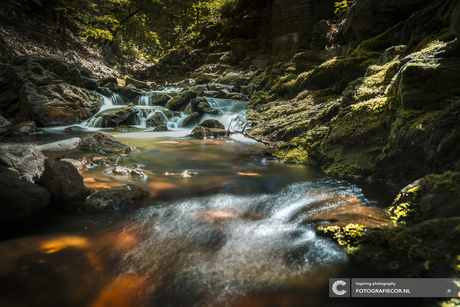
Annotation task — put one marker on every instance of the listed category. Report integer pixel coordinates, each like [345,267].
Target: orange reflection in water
[124,291]
[55,245]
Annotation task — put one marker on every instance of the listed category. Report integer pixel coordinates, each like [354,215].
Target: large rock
[156,119]
[80,166]
[137,83]
[6,128]
[367,19]
[191,120]
[209,128]
[19,198]
[59,104]
[441,198]
[27,160]
[212,123]
[123,116]
[64,181]
[25,128]
[181,100]
[105,142]
[114,199]
[59,149]
[423,83]
[455,26]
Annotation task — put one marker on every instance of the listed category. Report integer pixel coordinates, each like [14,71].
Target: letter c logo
[336,284]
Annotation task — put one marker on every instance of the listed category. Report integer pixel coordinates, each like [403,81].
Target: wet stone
[105,142]
[114,199]
[64,181]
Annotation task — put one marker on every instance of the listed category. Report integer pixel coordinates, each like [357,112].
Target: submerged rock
[6,128]
[19,198]
[25,128]
[114,199]
[59,149]
[64,181]
[105,142]
[27,160]
[126,171]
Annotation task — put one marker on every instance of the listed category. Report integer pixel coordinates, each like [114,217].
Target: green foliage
[141,29]
[342,6]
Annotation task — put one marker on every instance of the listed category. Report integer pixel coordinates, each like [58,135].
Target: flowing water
[223,226]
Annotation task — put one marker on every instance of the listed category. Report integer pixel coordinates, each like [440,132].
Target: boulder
[80,166]
[181,100]
[64,181]
[137,83]
[212,123]
[27,160]
[223,94]
[318,35]
[238,96]
[105,142]
[201,132]
[6,128]
[209,128]
[59,149]
[25,128]
[441,198]
[191,120]
[455,26]
[161,128]
[240,49]
[161,99]
[218,87]
[423,83]
[123,116]
[157,119]
[57,104]
[367,19]
[114,199]
[19,198]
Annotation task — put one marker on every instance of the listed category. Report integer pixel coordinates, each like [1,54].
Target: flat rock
[105,142]
[114,199]
[126,171]
[19,198]
[27,160]
[64,181]
[60,149]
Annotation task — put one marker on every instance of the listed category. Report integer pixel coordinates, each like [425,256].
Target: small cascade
[232,114]
[144,100]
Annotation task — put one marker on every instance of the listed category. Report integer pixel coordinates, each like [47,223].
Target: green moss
[371,48]
[293,152]
[420,251]
[407,212]
[349,236]
[449,181]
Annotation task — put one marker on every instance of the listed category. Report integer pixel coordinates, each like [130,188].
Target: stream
[223,226]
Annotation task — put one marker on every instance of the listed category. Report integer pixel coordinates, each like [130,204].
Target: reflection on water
[223,227]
